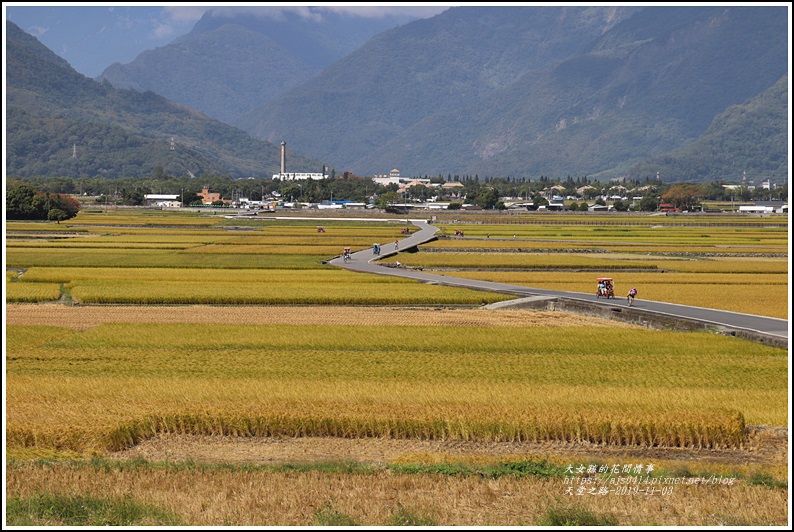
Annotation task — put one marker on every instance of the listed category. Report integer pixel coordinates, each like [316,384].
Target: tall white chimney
[283,157]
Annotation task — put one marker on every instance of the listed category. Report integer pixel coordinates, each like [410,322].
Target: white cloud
[383,11]
[175,21]
[309,12]
[37,31]
[178,20]
[184,14]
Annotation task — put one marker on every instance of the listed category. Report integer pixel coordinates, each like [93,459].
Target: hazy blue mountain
[751,137]
[53,110]
[531,90]
[91,37]
[428,66]
[235,60]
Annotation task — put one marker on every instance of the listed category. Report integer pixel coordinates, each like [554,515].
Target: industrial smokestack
[283,157]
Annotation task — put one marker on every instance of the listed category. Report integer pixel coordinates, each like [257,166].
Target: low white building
[162,200]
[299,176]
[756,208]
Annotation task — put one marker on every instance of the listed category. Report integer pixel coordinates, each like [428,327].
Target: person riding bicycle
[631,295]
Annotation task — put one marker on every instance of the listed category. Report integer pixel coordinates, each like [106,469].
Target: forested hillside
[534,90]
[236,59]
[61,123]
[747,140]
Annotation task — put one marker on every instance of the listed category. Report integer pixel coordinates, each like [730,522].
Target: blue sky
[92,37]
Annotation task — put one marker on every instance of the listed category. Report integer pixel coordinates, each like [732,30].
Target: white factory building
[283,175]
[298,176]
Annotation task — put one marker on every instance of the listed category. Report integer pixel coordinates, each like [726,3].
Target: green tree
[57,215]
[649,203]
[621,205]
[19,202]
[387,198]
[487,198]
[189,198]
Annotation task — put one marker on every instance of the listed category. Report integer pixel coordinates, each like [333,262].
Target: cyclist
[630,296]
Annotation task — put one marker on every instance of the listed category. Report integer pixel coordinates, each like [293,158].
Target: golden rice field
[277,292]
[539,245]
[592,261]
[260,340]
[759,294]
[132,243]
[32,292]
[517,219]
[606,234]
[119,383]
[154,258]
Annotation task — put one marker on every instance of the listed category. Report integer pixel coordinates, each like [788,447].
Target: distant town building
[208,197]
[395,178]
[162,200]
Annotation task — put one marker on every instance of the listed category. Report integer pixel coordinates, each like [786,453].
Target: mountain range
[535,90]
[234,61]
[695,93]
[60,123]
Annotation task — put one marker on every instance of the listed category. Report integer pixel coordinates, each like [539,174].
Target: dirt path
[766,446]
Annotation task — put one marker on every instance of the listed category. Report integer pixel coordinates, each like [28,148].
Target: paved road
[363,261]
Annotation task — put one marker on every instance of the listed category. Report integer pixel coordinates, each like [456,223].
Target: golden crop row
[593,261]
[488,383]
[539,245]
[141,218]
[151,258]
[320,240]
[611,219]
[32,292]
[526,260]
[593,227]
[274,249]
[325,275]
[135,408]
[275,293]
[91,244]
[85,317]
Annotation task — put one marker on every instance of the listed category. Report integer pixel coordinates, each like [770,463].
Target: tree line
[34,198]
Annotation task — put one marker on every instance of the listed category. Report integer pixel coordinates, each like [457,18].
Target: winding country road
[363,261]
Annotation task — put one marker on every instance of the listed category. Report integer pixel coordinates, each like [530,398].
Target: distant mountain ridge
[230,64]
[696,93]
[532,90]
[749,139]
[63,124]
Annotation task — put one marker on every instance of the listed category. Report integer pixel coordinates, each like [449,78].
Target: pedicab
[605,287]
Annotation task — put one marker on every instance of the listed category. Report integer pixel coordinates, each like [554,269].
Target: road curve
[364,261]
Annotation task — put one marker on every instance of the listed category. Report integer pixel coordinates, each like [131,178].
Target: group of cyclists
[606,289]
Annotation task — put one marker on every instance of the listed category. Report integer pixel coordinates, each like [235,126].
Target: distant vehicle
[606,288]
